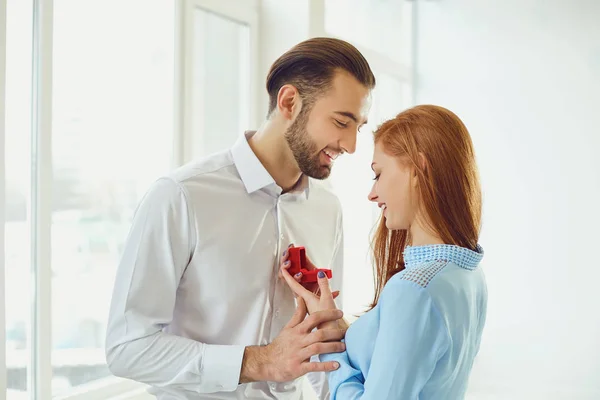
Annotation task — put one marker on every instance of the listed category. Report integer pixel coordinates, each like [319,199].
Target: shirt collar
[461,256]
[254,175]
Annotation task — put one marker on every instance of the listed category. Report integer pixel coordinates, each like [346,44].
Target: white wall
[524,75]
[282,26]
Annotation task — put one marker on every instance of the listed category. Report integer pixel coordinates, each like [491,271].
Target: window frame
[243,12]
[2,198]
[40,372]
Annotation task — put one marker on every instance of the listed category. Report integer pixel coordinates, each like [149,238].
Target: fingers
[320,317]
[320,366]
[335,294]
[325,335]
[299,315]
[322,348]
[284,262]
[298,277]
[286,254]
[286,266]
[323,284]
[296,287]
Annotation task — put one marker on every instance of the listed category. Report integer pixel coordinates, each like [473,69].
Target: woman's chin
[390,224]
[394,225]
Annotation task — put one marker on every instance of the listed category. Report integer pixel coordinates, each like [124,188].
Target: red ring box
[297,257]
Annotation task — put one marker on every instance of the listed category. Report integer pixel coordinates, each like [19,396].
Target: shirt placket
[276,287]
[279,317]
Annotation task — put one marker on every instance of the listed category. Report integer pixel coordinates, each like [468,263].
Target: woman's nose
[372,195]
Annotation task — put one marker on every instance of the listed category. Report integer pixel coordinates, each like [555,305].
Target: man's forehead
[354,103]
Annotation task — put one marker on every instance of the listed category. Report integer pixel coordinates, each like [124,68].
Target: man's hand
[288,356]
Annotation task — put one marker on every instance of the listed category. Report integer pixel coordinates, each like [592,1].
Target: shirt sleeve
[318,380]
[412,338]
[159,247]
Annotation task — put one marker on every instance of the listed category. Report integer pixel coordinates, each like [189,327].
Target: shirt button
[277,313]
[281,236]
[273,387]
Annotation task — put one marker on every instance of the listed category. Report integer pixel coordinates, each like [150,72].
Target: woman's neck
[420,236]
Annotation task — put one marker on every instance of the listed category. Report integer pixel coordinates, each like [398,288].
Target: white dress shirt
[198,279]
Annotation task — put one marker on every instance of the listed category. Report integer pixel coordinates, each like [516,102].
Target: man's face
[321,133]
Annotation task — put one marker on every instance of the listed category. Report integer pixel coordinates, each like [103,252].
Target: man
[198,311]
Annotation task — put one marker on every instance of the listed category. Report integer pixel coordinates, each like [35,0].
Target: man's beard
[306,152]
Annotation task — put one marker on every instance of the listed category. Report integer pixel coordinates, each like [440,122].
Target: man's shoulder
[210,167]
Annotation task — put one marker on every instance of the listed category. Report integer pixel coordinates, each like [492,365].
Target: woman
[421,335]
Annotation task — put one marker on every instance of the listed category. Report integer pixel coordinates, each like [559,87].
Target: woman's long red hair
[436,143]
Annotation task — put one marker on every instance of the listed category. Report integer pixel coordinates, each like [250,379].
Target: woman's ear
[423,162]
[414,179]
[422,166]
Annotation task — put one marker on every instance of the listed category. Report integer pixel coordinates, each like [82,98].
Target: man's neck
[270,147]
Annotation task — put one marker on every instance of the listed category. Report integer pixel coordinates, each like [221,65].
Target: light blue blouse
[420,341]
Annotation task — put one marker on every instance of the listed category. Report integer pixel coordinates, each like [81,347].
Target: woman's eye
[376,177]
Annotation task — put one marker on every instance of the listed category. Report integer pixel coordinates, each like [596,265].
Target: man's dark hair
[311,65]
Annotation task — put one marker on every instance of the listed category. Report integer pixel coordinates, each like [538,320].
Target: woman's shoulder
[421,275]
[413,285]
[427,280]
[435,280]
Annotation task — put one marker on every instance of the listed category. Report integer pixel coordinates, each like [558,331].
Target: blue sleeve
[412,338]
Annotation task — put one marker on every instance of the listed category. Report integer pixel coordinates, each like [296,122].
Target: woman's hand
[314,302]
[312,287]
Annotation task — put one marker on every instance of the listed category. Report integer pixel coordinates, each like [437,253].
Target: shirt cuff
[221,366]
[326,357]
[339,357]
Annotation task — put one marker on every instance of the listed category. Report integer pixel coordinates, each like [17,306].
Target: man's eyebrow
[351,116]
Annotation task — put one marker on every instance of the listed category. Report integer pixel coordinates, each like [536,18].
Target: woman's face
[394,189]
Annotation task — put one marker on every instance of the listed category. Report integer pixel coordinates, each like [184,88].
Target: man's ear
[288,101]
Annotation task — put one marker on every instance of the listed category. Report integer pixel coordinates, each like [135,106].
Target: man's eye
[376,177]
[341,124]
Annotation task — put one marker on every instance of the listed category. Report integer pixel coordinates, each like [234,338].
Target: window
[220,103]
[17,159]
[111,89]
[110,136]
[112,131]
[221,94]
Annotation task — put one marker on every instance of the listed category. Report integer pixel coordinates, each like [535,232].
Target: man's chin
[322,173]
